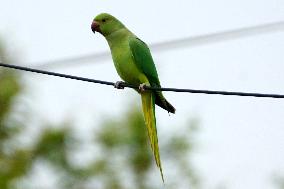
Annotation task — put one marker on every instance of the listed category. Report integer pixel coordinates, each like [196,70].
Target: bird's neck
[117,37]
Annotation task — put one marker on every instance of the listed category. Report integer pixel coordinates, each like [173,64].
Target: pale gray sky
[241,138]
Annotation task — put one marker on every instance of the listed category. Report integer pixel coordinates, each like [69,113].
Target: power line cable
[122,85]
[174,44]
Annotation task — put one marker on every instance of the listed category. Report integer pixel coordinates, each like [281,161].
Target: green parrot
[134,64]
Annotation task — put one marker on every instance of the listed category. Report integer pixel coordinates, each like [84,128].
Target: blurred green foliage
[128,138]
[123,145]
[123,158]
[279,181]
[13,163]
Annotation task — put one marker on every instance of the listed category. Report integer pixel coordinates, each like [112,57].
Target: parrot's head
[106,24]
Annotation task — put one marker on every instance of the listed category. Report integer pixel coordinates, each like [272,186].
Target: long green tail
[148,105]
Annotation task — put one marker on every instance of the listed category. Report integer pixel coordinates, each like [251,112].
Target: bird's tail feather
[148,105]
[163,103]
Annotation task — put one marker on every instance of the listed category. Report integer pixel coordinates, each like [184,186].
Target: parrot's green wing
[144,61]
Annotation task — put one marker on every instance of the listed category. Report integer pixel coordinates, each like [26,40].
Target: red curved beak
[95,27]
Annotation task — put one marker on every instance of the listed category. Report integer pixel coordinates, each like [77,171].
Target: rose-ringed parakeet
[135,65]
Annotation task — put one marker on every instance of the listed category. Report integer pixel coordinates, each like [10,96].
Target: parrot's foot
[119,85]
[142,87]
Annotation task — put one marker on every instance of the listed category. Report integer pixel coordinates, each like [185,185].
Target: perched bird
[134,64]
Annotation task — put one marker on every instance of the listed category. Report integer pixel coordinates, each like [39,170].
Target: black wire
[55,74]
[123,84]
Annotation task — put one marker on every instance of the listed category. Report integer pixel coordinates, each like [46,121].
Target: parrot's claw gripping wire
[142,87]
[119,85]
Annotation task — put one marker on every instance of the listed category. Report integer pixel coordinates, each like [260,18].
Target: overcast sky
[241,140]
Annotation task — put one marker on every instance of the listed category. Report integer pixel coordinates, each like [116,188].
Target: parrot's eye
[103,20]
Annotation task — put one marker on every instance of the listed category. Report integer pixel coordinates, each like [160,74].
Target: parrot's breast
[124,63]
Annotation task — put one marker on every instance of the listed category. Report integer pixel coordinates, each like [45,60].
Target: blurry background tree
[279,181]
[123,156]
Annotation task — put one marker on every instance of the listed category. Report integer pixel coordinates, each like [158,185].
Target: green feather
[144,60]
